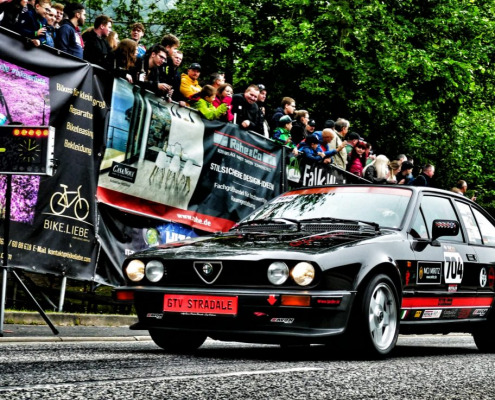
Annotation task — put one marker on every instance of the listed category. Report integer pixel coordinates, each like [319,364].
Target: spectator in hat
[245,110]
[281,134]
[189,84]
[298,131]
[137,33]
[312,152]
[288,107]
[68,37]
[405,177]
[310,127]
[352,139]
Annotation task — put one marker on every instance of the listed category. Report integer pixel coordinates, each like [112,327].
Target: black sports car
[347,263]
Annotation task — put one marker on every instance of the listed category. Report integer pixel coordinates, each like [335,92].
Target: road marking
[157,378]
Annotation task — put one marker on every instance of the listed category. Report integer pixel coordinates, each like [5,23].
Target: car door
[480,232]
[440,283]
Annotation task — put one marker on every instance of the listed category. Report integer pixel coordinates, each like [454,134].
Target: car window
[435,207]
[472,229]
[486,227]
[418,227]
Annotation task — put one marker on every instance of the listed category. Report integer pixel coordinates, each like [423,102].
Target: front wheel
[375,328]
[177,342]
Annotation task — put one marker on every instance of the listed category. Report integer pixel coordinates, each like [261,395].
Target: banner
[53,219]
[318,174]
[164,161]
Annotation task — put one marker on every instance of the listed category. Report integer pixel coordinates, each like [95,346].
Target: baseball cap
[195,66]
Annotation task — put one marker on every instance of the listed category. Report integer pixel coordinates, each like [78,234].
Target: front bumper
[263,315]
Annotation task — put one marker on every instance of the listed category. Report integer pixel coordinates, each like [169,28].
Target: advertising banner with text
[53,218]
[163,161]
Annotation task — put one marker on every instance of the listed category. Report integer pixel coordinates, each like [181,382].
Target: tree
[412,76]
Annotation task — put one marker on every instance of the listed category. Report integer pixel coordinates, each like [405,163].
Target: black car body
[355,262]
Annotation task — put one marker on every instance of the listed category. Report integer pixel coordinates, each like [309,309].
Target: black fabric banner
[53,219]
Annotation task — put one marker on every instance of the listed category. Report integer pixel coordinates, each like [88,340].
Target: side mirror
[444,227]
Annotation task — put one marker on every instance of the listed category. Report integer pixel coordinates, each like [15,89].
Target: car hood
[246,244]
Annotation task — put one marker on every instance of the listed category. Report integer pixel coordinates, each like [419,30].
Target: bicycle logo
[59,203]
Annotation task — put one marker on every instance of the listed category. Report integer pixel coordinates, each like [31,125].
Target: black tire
[484,335]
[375,324]
[177,342]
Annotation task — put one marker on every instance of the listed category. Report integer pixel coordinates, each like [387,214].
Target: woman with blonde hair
[377,171]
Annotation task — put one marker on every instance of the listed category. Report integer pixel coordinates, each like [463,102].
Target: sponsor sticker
[154,315]
[418,313]
[452,288]
[429,273]
[430,314]
[450,313]
[480,312]
[283,320]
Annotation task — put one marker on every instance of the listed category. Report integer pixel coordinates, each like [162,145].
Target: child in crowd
[203,102]
[310,151]
[32,24]
[281,134]
[224,96]
[357,158]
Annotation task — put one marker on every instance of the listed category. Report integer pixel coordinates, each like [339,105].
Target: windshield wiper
[281,221]
[341,220]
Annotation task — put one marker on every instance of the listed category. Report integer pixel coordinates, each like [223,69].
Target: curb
[46,339]
[66,319]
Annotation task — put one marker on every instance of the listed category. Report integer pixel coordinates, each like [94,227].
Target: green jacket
[208,110]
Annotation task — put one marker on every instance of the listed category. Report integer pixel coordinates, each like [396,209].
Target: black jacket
[242,111]
[96,49]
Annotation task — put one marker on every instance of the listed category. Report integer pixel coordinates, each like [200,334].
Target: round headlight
[135,270]
[278,272]
[154,271]
[303,273]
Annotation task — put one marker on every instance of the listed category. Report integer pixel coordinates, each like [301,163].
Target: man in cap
[189,84]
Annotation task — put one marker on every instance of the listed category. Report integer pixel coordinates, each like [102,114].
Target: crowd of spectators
[158,69]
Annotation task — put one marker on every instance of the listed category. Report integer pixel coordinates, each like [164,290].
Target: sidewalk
[30,327]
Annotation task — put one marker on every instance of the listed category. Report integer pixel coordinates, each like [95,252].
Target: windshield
[385,206]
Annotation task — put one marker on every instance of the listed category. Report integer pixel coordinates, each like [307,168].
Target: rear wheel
[484,336]
[177,342]
[375,328]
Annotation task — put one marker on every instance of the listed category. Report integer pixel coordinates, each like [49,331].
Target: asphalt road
[423,367]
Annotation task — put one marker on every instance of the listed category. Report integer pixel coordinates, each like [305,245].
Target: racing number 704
[453,268]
